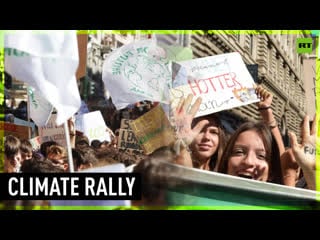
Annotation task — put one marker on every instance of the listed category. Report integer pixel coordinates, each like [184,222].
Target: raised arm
[264,107]
[183,115]
[288,165]
[305,153]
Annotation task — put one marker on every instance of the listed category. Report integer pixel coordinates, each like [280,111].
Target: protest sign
[52,132]
[93,126]
[222,81]
[137,71]
[153,130]
[127,139]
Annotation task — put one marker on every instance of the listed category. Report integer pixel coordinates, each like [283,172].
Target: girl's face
[12,163]
[26,156]
[206,142]
[249,158]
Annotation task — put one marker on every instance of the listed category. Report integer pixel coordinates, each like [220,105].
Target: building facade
[289,76]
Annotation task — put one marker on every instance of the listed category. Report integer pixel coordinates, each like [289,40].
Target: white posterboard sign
[93,126]
[222,81]
[52,132]
[137,71]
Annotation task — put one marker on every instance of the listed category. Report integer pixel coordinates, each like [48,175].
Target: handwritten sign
[137,71]
[127,139]
[93,126]
[153,130]
[222,81]
[52,132]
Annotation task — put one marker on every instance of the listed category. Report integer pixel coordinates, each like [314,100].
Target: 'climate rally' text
[124,186]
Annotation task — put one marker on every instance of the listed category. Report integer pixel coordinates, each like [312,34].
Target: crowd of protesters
[254,151]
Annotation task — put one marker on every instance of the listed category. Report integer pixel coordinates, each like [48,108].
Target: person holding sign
[253,153]
[204,136]
[254,150]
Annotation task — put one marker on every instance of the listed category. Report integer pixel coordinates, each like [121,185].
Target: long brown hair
[215,158]
[272,150]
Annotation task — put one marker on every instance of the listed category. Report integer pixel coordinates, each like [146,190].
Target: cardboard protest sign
[52,132]
[222,81]
[93,126]
[153,130]
[127,139]
[137,71]
[21,132]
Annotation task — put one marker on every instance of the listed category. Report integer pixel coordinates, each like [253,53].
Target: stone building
[281,70]
[271,55]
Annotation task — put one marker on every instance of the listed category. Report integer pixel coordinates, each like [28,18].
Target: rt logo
[304,45]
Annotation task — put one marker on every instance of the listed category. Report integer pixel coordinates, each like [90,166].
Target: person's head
[45,146]
[39,164]
[12,154]
[58,155]
[82,141]
[157,175]
[9,118]
[95,143]
[84,158]
[104,145]
[26,150]
[209,143]
[252,152]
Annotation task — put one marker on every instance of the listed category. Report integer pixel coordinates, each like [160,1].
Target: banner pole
[69,149]
[28,113]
